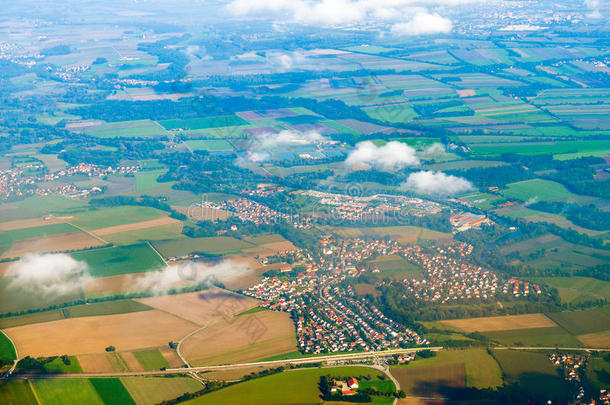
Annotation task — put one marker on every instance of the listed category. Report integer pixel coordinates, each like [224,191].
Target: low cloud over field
[437,183]
[49,274]
[256,151]
[391,156]
[159,282]
[423,23]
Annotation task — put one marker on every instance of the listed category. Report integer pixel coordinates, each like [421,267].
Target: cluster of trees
[38,365]
[588,216]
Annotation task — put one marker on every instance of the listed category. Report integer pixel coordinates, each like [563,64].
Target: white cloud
[593,6]
[435,150]
[48,274]
[437,183]
[159,282]
[422,24]
[391,156]
[291,137]
[342,12]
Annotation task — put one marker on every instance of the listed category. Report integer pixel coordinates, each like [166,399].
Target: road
[272,363]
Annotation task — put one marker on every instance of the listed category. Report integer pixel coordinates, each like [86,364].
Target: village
[316,289]
[16,183]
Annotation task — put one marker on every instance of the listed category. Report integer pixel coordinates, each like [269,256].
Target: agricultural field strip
[307,360]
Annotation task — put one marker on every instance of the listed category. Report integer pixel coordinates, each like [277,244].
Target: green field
[37,206]
[66,391]
[112,391]
[92,309]
[216,245]
[111,261]
[533,371]
[598,371]
[112,216]
[172,231]
[395,267]
[152,390]
[578,289]
[17,392]
[7,351]
[58,366]
[18,299]
[204,123]
[147,181]
[41,231]
[151,359]
[292,387]
[534,337]
[481,370]
[582,322]
[127,129]
[539,189]
[211,145]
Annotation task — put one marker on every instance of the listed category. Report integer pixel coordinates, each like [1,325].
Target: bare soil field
[497,323]
[202,307]
[599,339]
[130,331]
[110,284]
[171,356]
[135,226]
[279,246]
[241,339]
[52,243]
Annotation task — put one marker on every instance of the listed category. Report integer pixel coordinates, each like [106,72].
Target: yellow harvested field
[93,334]
[242,339]
[135,226]
[111,284]
[496,323]
[598,340]
[95,363]
[202,307]
[31,223]
[466,93]
[53,243]
[279,246]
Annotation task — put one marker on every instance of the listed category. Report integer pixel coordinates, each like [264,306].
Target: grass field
[578,289]
[41,231]
[171,231]
[66,391]
[550,336]
[113,216]
[294,387]
[395,267]
[481,370]
[210,145]
[151,359]
[595,371]
[152,390]
[112,391]
[582,322]
[17,392]
[539,189]
[217,245]
[111,261]
[204,122]
[37,206]
[7,351]
[533,371]
[58,366]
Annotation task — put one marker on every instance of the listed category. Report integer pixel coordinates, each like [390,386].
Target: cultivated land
[152,390]
[61,391]
[93,334]
[203,307]
[499,323]
[17,392]
[298,387]
[241,339]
